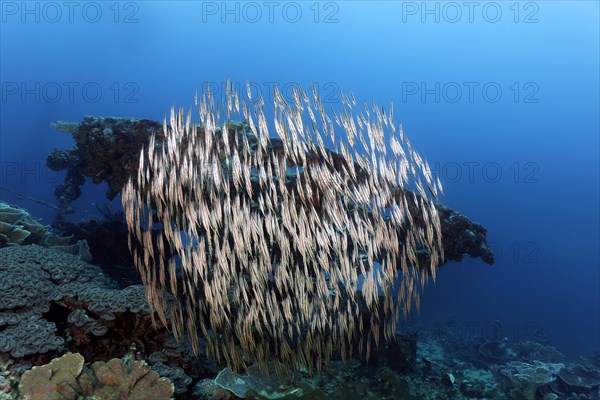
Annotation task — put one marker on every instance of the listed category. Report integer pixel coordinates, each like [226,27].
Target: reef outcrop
[107,150]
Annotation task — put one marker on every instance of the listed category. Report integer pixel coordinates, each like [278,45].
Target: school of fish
[295,247]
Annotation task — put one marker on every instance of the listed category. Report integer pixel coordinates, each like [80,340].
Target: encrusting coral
[66,378]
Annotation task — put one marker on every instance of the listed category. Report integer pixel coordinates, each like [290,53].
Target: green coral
[65,126]
[66,378]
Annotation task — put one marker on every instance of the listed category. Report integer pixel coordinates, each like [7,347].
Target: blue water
[502,99]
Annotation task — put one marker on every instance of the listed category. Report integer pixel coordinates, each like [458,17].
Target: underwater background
[501,98]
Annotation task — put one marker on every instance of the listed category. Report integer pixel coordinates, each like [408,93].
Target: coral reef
[175,374]
[494,351]
[18,227]
[422,366]
[107,150]
[525,379]
[207,389]
[53,302]
[177,361]
[44,287]
[65,126]
[55,380]
[533,351]
[577,379]
[107,238]
[33,277]
[65,378]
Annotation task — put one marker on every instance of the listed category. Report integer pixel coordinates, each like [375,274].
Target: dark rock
[494,352]
[401,354]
